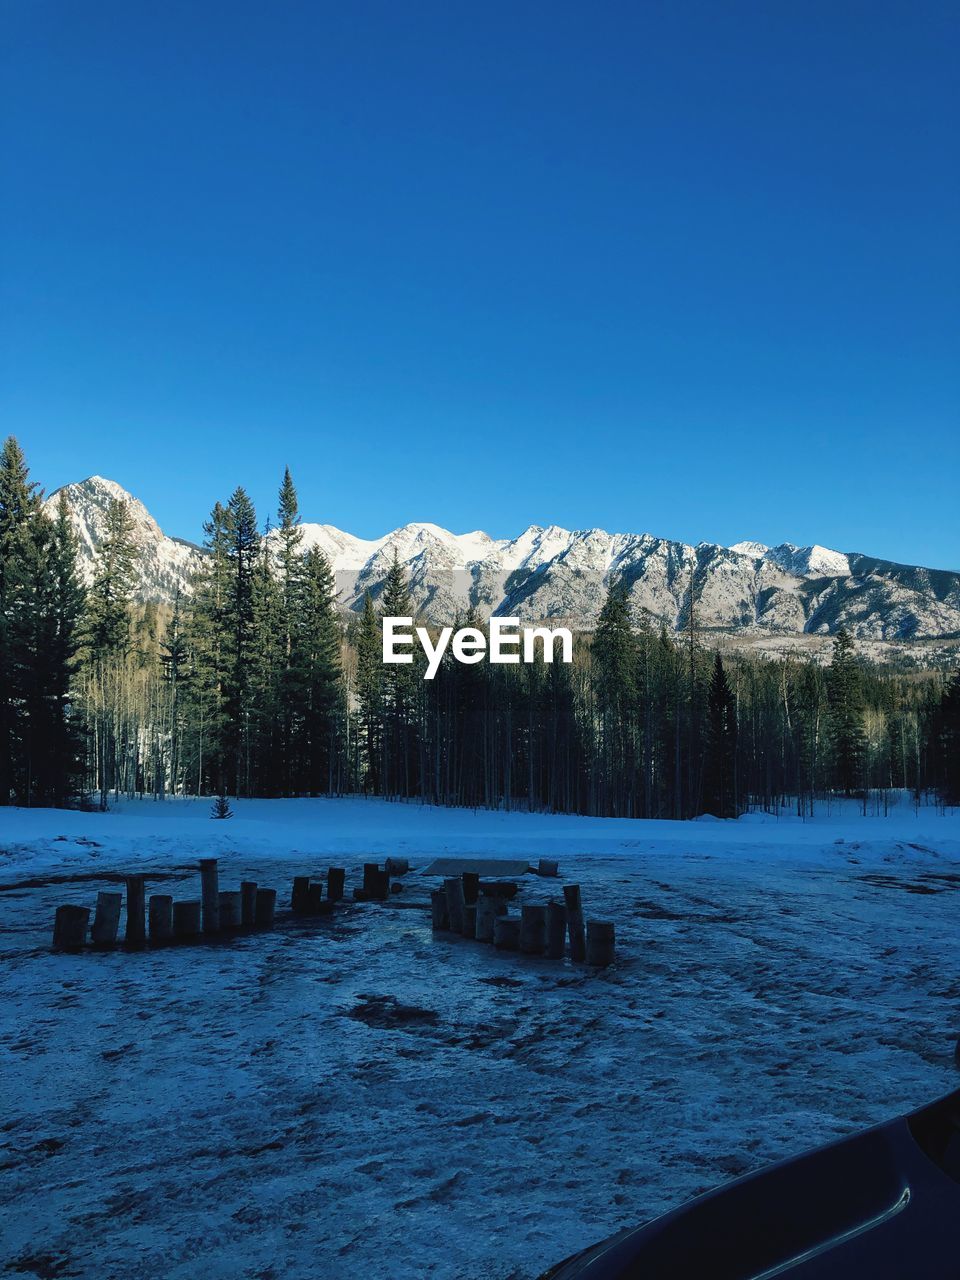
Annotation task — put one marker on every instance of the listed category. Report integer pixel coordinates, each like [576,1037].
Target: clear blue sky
[682,267]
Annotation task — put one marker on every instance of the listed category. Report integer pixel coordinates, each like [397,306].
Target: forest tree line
[255,685]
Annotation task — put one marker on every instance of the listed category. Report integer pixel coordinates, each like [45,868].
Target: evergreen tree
[61,646]
[175,662]
[243,549]
[316,660]
[720,766]
[370,695]
[615,656]
[273,701]
[207,638]
[19,511]
[111,593]
[949,742]
[290,689]
[108,644]
[399,687]
[846,714]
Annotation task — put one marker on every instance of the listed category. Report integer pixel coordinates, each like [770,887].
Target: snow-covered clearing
[353,1097]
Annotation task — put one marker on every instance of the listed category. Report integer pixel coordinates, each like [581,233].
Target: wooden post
[533,929]
[106,919]
[298,900]
[600,942]
[313,903]
[186,918]
[506,933]
[469,926]
[231,910]
[161,917]
[488,909]
[335,879]
[548,867]
[438,909]
[556,930]
[578,946]
[471,887]
[453,887]
[210,894]
[248,903]
[70,928]
[136,933]
[397,866]
[265,908]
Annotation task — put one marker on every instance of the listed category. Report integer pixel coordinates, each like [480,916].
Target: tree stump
[298,899]
[556,930]
[231,909]
[313,903]
[578,945]
[210,895]
[265,908]
[533,929]
[136,933]
[248,903]
[439,918]
[106,919]
[488,909]
[600,942]
[335,879]
[453,887]
[506,933]
[70,928]
[161,917]
[186,918]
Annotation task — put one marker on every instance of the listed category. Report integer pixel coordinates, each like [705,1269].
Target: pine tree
[290,689]
[949,742]
[846,714]
[370,695]
[19,511]
[174,668]
[207,637]
[62,643]
[615,656]
[111,593]
[720,765]
[108,643]
[316,660]
[272,714]
[243,549]
[399,683]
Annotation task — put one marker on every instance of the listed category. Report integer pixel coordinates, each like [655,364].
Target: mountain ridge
[551,573]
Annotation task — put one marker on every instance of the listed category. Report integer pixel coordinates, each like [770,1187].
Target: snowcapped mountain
[748,590]
[166,564]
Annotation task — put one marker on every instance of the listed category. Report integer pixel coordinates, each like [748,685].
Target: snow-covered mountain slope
[166,565]
[749,589]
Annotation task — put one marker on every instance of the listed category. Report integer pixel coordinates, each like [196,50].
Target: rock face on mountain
[552,573]
[166,565]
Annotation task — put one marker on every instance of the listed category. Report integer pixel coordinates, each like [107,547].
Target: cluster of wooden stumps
[466,906]
[163,920]
[472,908]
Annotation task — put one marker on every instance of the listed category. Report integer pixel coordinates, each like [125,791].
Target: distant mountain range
[748,591]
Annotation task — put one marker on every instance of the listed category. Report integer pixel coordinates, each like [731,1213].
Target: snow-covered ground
[354,1097]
